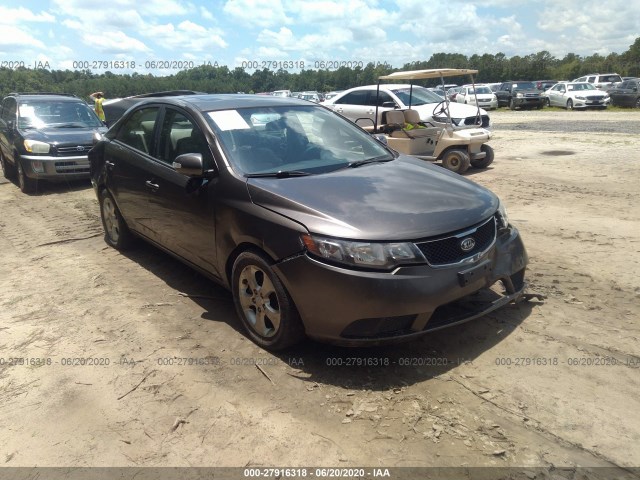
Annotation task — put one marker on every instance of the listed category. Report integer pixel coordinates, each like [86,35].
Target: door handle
[109,164]
[151,185]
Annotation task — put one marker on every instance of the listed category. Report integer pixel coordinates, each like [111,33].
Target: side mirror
[11,125]
[189,164]
[381,138]
[389,105]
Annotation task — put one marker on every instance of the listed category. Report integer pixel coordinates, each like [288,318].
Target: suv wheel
[116,232]
[265,308]
[512,104]
[26,184]
[638,103]
[569,104]
[456,160]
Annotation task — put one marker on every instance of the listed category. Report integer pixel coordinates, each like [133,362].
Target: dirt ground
[172,381]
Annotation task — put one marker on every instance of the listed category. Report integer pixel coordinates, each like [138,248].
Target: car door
[127,158]
[353,105]
[181,210]
[556,96]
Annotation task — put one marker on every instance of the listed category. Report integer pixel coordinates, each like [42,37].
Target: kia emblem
[467,244]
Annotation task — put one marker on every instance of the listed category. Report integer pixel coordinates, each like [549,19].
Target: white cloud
[16,39]
[10,16]
[262,13]
[206,14]
[114,43]
[186,37]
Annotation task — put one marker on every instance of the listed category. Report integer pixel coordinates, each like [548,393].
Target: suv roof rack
[17,94]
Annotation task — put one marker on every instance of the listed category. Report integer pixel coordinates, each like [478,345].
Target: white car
[572,95]
[359,105]
[486,98]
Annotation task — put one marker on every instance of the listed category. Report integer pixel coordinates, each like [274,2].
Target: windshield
[43,113]
[419,96]
[307,139]
[524,86]
[480,90]
[580,86]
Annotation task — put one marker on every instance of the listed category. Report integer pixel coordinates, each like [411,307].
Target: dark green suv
[46,136]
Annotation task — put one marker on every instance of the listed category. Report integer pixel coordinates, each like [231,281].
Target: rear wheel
[116,232]
[487,160]
[569,104]
[265,308]
[26,184]
[456,160]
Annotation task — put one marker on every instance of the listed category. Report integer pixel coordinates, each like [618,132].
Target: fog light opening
[37,166]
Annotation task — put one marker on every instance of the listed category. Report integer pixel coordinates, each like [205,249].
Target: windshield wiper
[68,125]
[381,159]
[279,174]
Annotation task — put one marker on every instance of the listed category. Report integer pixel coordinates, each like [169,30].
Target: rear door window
[137,131]
[359,97]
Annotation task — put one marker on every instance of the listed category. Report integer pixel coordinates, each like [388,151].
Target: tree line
[220,79]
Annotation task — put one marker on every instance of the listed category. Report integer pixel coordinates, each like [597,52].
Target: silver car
[572,95]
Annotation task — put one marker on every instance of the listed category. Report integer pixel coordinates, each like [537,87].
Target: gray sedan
[572,95]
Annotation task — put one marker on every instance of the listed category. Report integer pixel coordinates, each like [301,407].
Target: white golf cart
[457,147]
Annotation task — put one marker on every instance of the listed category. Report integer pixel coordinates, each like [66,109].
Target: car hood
[458,110]
[63,136]
[403,199]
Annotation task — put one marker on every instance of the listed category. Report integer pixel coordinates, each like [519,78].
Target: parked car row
[287,205]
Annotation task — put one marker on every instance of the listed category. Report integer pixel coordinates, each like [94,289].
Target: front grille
[73,150]
[532,95]
[474,121]
[71,167]
[445,251]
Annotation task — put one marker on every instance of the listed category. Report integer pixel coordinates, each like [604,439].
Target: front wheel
[638,103]
[487,160]
[26,184]
[456,160]
[569,104]
[116,232]
[264,306]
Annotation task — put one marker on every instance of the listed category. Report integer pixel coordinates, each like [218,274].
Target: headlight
[34,146]
[503,219]
[519,95]
[579,97]
[363,254]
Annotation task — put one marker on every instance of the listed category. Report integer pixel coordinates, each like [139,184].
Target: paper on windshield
[229,120]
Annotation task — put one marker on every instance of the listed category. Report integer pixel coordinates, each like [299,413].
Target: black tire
[638,102]
[263,304]
[487,160]
[7,170]
[548,102]
[26,184]
[512,104]
[456,160]
[116,232]
[569,104]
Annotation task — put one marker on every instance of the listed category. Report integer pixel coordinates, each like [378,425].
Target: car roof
[57,98]
[232,101]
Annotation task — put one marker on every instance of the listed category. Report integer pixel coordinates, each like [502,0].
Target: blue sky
[244,33]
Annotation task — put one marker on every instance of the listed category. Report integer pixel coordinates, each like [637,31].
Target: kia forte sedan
[316,227]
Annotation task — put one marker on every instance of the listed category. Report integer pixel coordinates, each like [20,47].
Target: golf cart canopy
[431,73]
